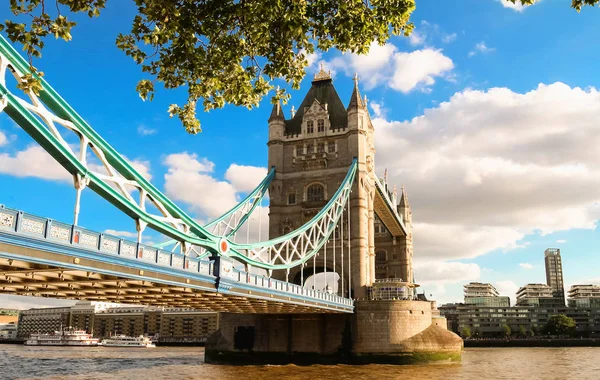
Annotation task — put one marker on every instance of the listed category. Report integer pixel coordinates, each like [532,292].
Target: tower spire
[355,100]
[276,113]
[404,198]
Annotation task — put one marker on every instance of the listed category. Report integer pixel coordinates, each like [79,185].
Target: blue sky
[489,115]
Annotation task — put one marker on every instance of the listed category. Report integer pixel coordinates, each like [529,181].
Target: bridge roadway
[46,258]
[386,211]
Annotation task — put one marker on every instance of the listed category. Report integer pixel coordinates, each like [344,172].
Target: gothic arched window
[380,257]
[315,193]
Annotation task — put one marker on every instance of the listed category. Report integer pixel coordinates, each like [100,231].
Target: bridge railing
[47,229]
[38,228]
[282,286]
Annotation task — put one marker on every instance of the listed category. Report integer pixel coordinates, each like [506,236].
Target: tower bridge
[329,212]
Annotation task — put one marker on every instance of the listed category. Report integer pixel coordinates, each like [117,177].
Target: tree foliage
[465,332]
[220,51]
[576,4]
[506,329]
[560,324]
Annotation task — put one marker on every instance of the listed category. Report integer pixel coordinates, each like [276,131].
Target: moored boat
[128,341]
[67,337]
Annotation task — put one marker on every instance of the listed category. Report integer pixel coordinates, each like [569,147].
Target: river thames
[21,362]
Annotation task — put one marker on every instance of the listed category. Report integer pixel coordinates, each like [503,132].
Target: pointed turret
[356,102]
[276,123]
[276,113]
[404,198]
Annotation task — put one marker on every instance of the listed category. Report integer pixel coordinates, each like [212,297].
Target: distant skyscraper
[554,274]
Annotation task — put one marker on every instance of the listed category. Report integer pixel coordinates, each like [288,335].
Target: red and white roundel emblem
[223,246]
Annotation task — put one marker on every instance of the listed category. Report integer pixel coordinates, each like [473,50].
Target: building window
[321,148]
[380,257]
[310,127]
[299,150]
[315,193]
[320,125]
[331,147]
[291,198]
[310,148]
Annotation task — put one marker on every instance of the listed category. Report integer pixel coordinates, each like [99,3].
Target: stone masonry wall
[382,324]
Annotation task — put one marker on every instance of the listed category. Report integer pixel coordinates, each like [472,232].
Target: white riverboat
[68,337]
[128,341]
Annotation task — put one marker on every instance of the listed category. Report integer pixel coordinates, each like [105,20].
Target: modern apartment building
[584,296]
[489,321]
[554,273]
[484,294]
[534,294]
[478,289]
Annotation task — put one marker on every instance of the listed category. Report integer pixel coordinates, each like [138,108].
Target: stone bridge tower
[311,153]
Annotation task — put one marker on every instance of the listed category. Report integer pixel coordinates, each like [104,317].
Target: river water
[22,362]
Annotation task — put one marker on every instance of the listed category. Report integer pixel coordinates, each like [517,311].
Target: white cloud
[416,38]
[400,71]
[189,180]
[517,6]
[432,240]
[143,130]
[377,108]
[448,38]
[3,139]
[419,69]
[446,272]
[141,166]
[526,266]
[34,161]
[481,169]
[313,58]
[432,276]
[482,48]
[507,288]
[561,241]
[245,178]
[189,163]
[123,234]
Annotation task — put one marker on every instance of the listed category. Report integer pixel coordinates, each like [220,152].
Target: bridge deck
[41,257]
[386,211]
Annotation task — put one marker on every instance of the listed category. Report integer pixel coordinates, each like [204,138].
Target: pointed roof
[404,198]
[276,113]
[323,91]
[355,100]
